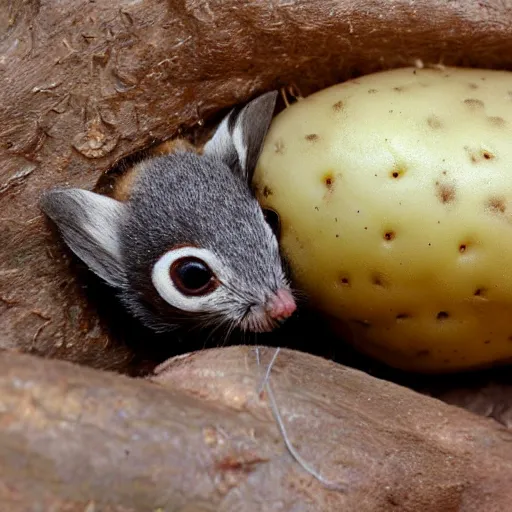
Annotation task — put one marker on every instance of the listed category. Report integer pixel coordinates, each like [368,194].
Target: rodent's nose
[281,305]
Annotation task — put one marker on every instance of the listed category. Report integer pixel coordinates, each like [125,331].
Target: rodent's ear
[89,224]
[239,137]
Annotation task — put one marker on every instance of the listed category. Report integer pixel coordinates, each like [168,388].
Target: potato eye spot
[402,316]
[345,281]
[474,103]
[328,180]
[389,235]
[465,245]
[434,122]
[497,121]
[479,155]
[397,172]
[338,106]
[445,192]
[312,137]
[379,279]
[496,205]
[442,315]
[480,292]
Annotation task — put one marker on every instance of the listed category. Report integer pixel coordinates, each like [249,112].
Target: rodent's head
[191,244]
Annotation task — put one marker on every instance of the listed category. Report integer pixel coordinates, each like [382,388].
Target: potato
[395,198]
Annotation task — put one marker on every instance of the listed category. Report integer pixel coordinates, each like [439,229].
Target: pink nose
[281,305]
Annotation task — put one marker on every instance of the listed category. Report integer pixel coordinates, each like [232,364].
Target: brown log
[86,83]
[201,438]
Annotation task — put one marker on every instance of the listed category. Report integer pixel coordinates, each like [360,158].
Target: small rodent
[190,243]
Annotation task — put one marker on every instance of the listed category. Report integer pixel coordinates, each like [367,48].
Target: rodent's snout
[281,305]
[264,317]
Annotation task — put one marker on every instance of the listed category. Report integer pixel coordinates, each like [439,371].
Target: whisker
[231,327]
[265,384]
[218,327]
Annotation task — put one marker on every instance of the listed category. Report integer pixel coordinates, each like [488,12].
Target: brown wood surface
[202,439]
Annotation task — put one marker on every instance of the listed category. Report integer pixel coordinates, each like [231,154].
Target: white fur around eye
[164,285]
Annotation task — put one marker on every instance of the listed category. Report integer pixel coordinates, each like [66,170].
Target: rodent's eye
[272,218]
[188,278]
[192,276]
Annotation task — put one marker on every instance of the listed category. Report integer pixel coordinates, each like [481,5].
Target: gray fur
[181,199]
[215,210]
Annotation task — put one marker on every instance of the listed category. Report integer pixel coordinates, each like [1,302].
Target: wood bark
[200,437]
[85,83]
